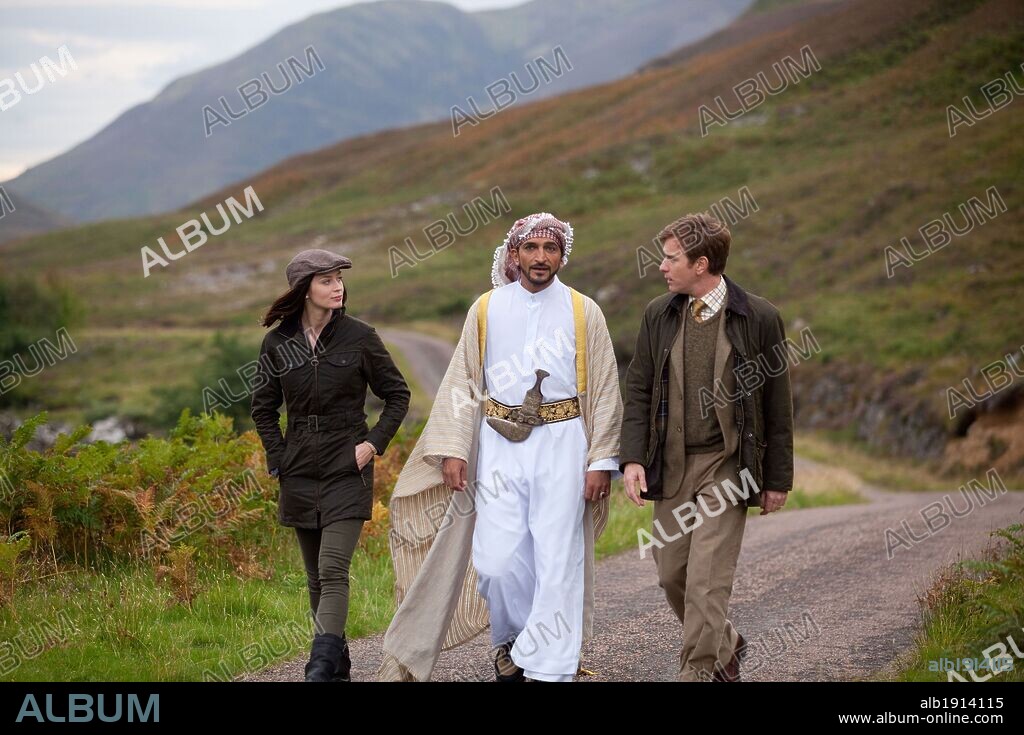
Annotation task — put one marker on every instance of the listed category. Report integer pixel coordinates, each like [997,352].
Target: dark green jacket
[324,390]
[763,401]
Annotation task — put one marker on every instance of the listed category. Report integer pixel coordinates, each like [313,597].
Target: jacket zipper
[316,391]
[739,449]
[743,417]
[738,361]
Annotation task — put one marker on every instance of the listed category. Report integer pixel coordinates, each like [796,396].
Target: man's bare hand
[635,479]
[454,471]
[772,501]
[597,485]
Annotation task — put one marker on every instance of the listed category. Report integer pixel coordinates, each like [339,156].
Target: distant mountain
[19,216]
[371,66]
[605,39]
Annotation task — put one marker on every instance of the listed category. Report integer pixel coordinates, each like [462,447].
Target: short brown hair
[699,235]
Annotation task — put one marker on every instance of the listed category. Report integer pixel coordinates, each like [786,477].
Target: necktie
[695,308]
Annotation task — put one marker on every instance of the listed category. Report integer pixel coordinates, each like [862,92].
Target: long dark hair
[290,304]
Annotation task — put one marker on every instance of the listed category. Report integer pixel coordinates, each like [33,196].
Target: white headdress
[504,269]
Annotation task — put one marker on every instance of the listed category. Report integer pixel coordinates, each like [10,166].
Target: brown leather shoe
[732,669]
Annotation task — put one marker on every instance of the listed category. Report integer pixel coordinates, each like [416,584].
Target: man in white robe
[525,529]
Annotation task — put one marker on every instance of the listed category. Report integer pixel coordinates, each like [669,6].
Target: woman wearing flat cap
[319,362]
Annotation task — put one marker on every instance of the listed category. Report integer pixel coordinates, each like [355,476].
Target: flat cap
[314,261]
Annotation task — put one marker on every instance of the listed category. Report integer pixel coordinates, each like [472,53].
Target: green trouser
[327,554]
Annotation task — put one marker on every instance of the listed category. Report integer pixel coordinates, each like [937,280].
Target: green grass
[972,606]
[802,499]
[842,450]
[122,626]
[624,519]
[123,368]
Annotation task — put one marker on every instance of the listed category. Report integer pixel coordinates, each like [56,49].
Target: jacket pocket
[343,363]
[367,474]
[759,465]
[290,444]
[348,456]
[340,379]
[653,474]
[294,379]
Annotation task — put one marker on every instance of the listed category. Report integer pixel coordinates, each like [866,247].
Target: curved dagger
[523,419]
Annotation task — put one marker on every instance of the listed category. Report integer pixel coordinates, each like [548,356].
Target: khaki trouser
[327,555]
[696,569]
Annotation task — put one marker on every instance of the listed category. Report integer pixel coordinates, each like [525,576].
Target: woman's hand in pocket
[364,453]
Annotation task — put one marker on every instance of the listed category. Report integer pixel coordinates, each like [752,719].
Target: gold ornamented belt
[549,413]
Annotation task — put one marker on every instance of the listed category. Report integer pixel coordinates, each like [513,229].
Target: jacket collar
[736,300]
[290,327]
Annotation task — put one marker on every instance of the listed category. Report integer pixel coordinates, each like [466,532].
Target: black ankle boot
[344,668]
[324,656]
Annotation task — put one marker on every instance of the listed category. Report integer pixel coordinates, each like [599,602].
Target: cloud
[10,170]
[123,61]
[126,51]
[191,4]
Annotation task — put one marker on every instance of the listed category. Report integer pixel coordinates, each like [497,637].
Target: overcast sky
[126,51]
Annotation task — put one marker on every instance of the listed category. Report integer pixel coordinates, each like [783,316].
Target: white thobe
[528,541]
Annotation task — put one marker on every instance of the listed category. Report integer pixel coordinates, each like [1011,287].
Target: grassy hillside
[841,165]
[348,71]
